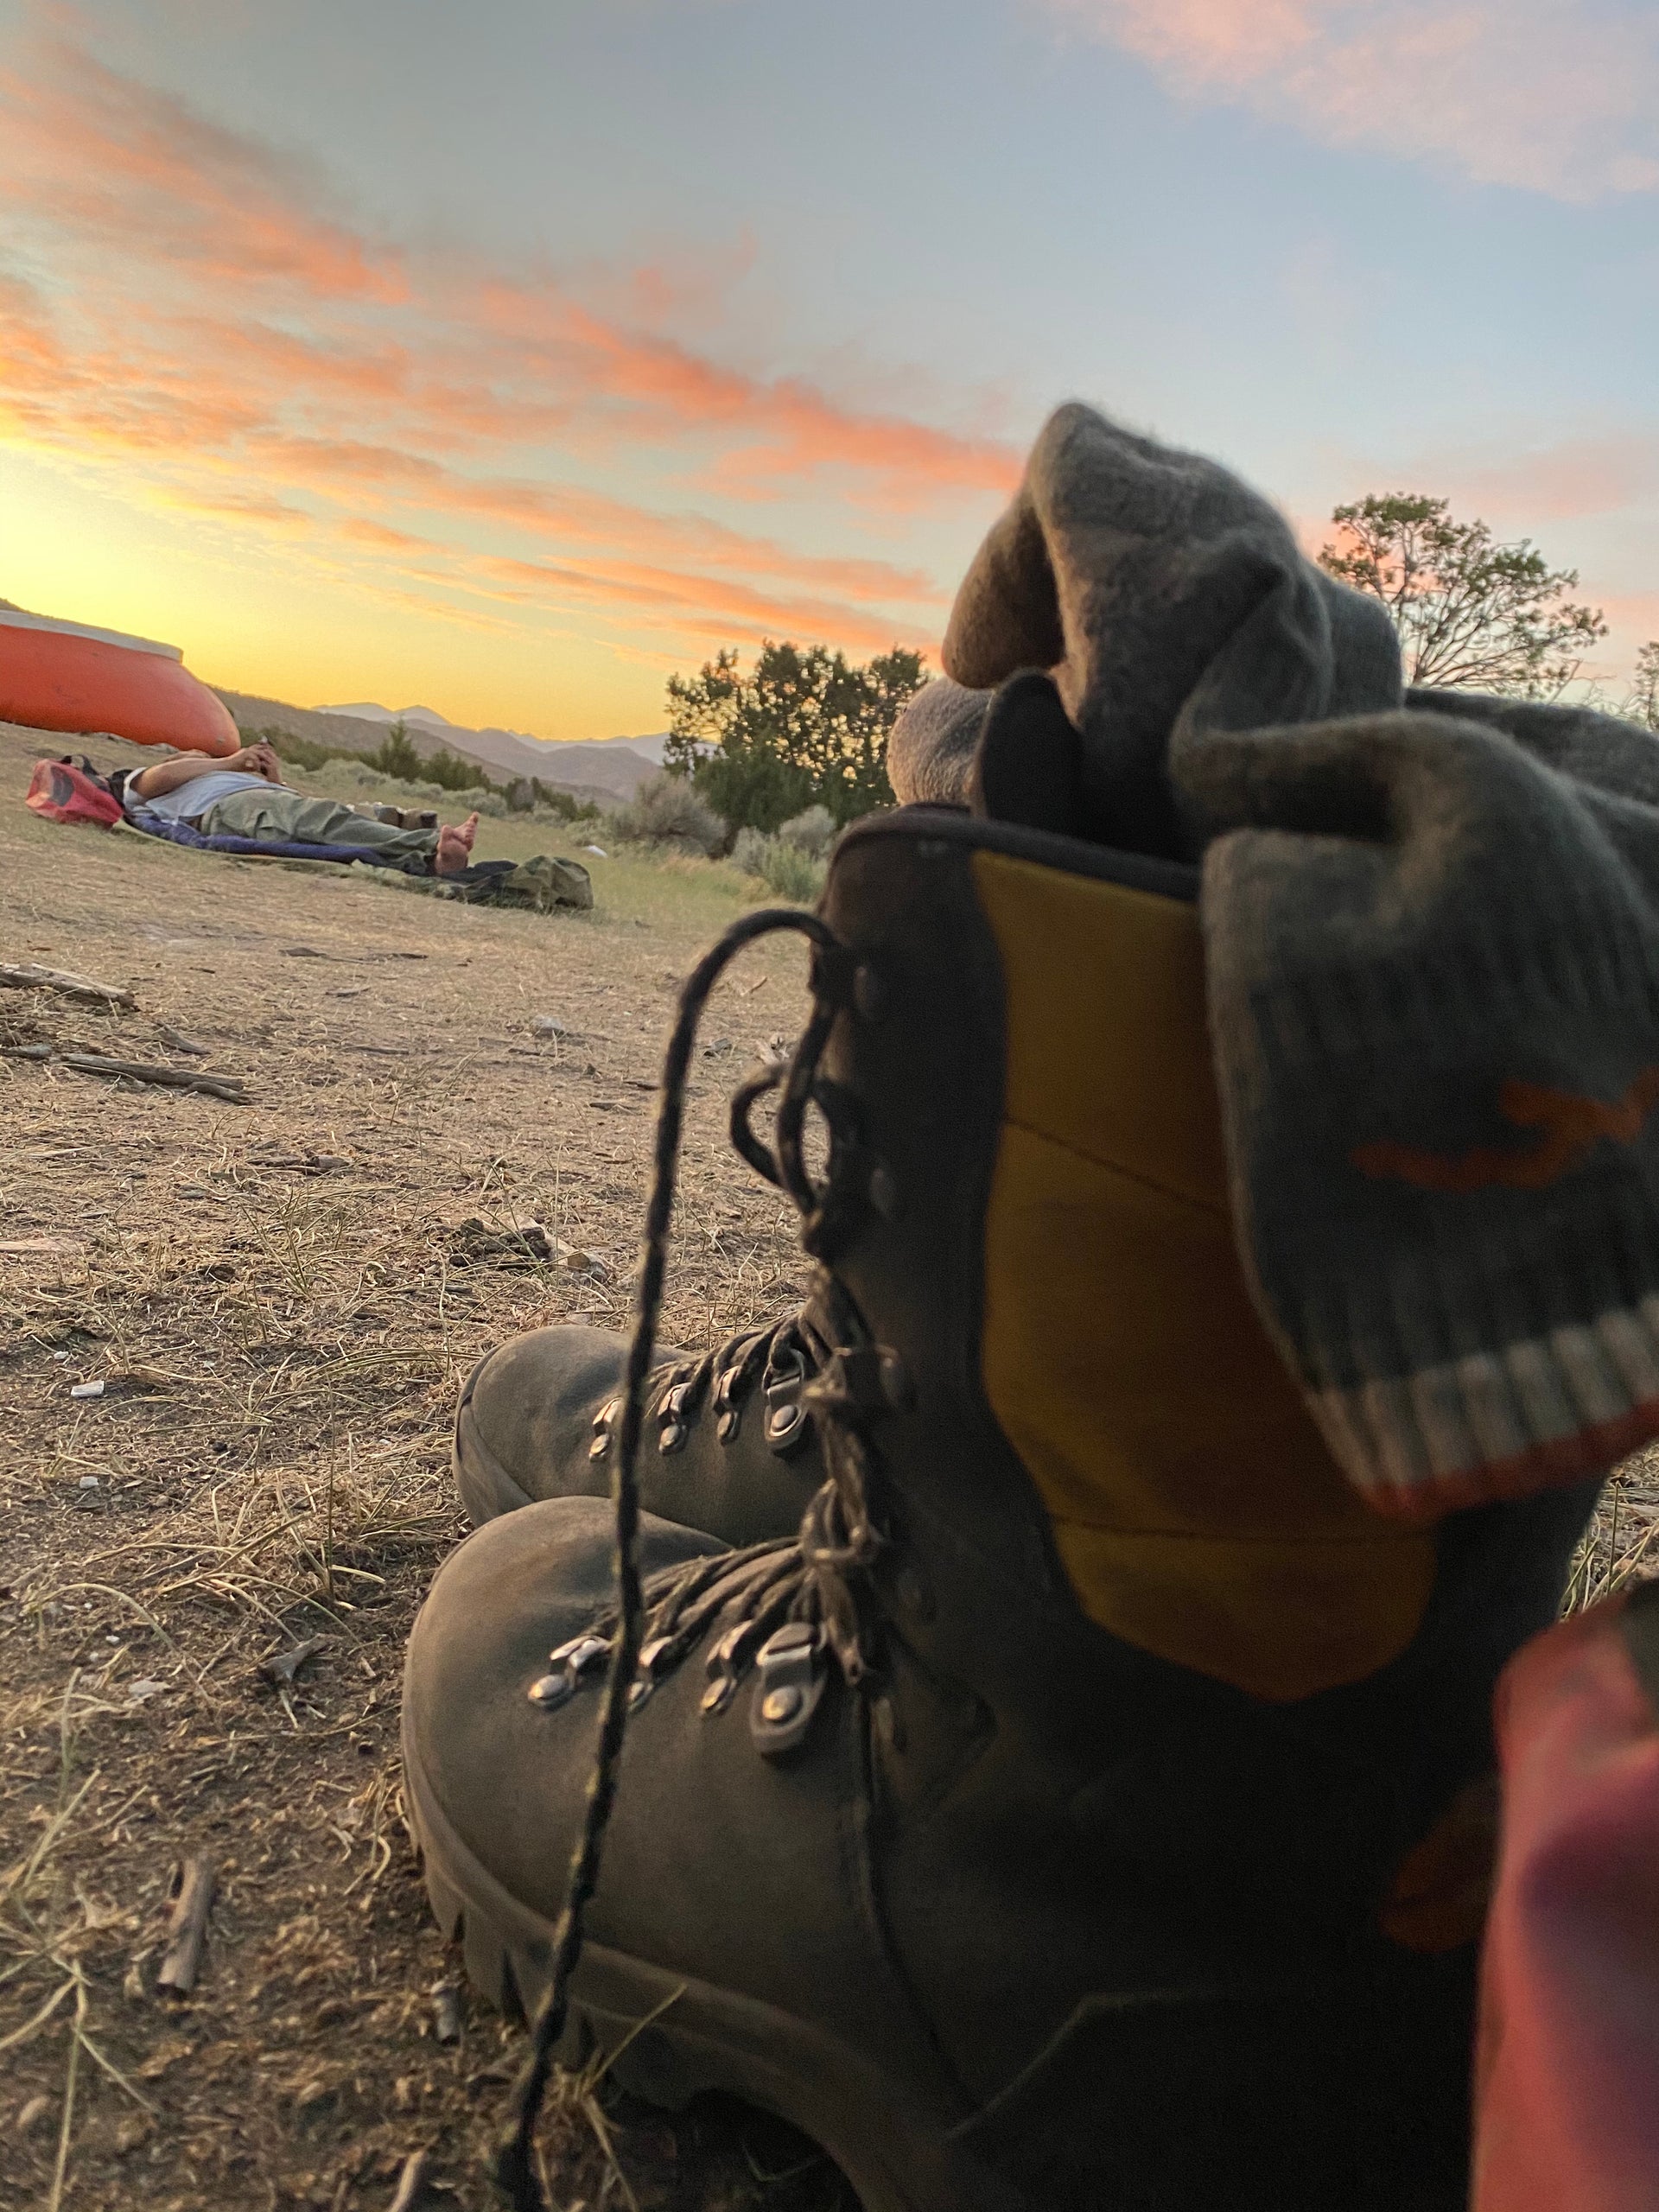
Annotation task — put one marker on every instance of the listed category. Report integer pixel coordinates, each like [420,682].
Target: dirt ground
[279,1300]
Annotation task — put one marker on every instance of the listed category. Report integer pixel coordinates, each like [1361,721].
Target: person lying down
[245,796]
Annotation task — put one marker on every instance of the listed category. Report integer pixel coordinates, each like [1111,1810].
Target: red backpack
[63,792]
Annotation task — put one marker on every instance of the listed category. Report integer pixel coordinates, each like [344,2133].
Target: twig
[26,976]
[188,1929]
[229,1088]
[412,2183]
[168,1035]
[70,2074]
[40,2019]
[283,1666]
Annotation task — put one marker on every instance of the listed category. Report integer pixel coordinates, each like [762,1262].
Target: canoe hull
[56,678]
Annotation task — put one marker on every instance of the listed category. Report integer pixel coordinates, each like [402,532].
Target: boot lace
[774,1609]
[776,1359]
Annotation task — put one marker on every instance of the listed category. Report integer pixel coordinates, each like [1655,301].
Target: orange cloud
[1553,95]
[362,531]
[218,335]
[128,166]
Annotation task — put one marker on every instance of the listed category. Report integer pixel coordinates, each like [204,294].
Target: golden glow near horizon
[259,618]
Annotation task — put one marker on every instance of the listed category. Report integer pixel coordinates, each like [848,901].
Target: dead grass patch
[270,1299]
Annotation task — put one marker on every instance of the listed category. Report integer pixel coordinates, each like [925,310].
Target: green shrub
[666,810]
[792,874]
[781,865]
[452,773]
[813,832]
[565,804]
[749,850]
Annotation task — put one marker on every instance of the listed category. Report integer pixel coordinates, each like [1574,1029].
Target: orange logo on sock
[1571,1125]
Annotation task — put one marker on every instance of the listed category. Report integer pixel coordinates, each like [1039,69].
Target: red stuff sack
[63,792]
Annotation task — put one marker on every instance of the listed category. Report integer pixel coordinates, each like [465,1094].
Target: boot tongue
[1156,587]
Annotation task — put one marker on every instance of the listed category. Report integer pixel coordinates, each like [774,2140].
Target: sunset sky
[504,357]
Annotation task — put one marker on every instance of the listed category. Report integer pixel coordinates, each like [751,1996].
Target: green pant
[280,816]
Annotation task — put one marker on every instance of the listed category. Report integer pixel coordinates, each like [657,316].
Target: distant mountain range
[613,766]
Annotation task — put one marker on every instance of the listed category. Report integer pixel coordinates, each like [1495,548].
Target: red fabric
[63,792]
[1566,2076]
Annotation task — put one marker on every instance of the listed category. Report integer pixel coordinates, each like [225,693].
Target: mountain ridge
[617,765]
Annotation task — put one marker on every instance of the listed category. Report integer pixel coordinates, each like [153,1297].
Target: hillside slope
[615,766]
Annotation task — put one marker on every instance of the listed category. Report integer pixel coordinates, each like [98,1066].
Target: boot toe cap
[525,1422]
[496,1781]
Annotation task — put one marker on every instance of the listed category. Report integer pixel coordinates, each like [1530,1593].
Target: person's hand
[257,761]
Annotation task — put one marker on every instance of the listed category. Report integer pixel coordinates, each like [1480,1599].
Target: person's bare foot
[454,847]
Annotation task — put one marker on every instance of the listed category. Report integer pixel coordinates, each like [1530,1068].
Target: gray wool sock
[930,750]
[1149,581]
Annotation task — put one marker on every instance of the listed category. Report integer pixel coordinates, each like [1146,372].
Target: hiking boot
[729,1445]
[1083,1810]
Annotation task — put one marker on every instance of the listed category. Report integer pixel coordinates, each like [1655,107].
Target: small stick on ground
[216,1086]
[26,976]
[181,1043]
[412,2183]
[188,1929]
[283,1666]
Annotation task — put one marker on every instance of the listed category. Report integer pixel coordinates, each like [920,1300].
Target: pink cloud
[1518,486]
[1576,478]
[127,165]
[1553,95]
[210,320]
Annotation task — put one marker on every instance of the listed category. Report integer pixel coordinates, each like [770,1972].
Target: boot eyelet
[790,1669]
[728,1424]
[671,1436]
[644,1679]
[783,1425]
[569,1663]
[599,1447]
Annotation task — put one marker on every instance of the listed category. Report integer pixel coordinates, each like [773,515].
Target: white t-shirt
[189,802]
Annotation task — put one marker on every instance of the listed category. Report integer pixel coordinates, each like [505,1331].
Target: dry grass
[279,1301]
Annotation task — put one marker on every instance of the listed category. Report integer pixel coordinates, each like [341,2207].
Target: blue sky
[509,357]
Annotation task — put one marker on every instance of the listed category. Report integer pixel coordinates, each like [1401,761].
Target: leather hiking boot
[1083,1810]
[729,1445]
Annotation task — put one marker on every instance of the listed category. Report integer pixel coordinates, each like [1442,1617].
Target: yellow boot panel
[1194,1505]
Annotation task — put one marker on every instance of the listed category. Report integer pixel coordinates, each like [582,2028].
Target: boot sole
[701,2038]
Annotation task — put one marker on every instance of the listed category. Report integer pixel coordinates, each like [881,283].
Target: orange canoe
[63,676]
